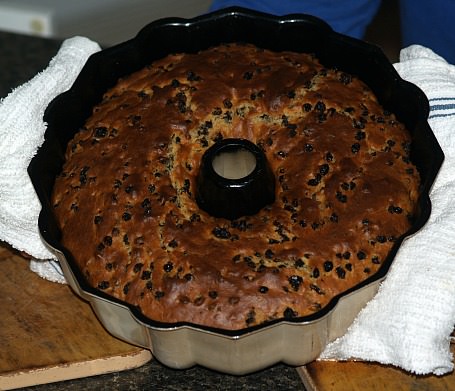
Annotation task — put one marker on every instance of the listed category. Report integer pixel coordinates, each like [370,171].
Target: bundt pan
[294,342]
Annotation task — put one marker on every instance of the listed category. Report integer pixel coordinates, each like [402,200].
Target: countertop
[22,57]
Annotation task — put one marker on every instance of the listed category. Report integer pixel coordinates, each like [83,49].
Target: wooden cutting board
[363,376]
[48,334]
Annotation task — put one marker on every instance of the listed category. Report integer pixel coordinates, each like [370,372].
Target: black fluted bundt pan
[296,341]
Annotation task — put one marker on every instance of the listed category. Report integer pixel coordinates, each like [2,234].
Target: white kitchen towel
[409,322]
[21,133]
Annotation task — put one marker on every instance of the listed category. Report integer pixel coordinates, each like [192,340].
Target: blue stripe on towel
[441,115]
[55,265]
[442,107]
[433,99]
[439,110]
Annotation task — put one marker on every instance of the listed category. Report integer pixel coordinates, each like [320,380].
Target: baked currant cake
[345,188]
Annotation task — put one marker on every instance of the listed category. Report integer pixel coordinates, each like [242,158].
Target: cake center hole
[235,163]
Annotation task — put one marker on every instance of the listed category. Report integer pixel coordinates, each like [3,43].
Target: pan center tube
[234,180]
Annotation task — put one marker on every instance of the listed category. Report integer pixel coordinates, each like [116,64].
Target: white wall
[105,21]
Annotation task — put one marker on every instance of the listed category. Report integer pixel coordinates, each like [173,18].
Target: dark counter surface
[21,58]
[156,377]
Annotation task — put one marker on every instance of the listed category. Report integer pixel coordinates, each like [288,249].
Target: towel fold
[407,324]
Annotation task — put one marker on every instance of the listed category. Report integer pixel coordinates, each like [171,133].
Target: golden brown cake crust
[126,206]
